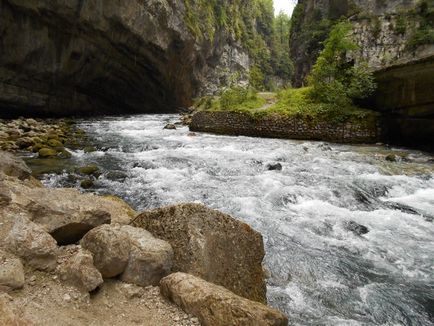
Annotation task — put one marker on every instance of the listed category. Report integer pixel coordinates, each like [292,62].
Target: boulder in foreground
[13,166]
[211,245]
[216,306]
[11,272]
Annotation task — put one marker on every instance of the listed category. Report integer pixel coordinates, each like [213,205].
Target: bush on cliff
[335,79]
[234,99]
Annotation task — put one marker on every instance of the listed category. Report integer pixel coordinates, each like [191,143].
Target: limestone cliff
[396,39]
[105,56]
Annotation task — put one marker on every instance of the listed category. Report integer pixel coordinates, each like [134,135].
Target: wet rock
[391,158]
[55,143]
[63,153]
[116,175]
[170,126]
[110,248]
[27,240]
[356,228]
[86,184]
[47,152]
[274,167]
[89,169]
[150,259]
[11,272]
[13,166]
[211,245]
[24,142]
[77,269]
[216,306]
[89,149]
[192,134]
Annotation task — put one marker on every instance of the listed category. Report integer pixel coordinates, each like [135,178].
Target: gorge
[186,162]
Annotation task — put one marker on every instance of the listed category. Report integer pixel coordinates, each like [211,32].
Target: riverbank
[289,114]
[68,257]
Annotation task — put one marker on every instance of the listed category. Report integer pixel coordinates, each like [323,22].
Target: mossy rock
[65,154]
[47,152]
[89,169]
[37,147]
[90,149]
[86,184]
[54,143]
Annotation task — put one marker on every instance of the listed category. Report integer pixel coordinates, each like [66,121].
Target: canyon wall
[75,57]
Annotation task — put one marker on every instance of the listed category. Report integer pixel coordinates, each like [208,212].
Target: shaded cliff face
[105,56]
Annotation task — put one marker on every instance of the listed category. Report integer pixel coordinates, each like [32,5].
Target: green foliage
[401,25]
[333,79]
[424,34]
[256,78]
[298,102]
[253,24]
[240,98]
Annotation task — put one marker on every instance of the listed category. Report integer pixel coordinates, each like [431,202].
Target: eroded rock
[27,240]
[77,269]
[150,259]
[13,166]
[216,306]
[11,272]
[211,245]
[110,248]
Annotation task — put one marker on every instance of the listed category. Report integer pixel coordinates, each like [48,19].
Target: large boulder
[150,259]
[77,269]
[110,248]
[216,306]
[27,240]
[11,272]
[13,166]
[211,245]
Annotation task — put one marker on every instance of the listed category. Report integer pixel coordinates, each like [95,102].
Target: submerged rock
[170,126]
[356,228]
[274,167]
[47,152]
[211,245]
[216,306]
[89,169]
[86,184]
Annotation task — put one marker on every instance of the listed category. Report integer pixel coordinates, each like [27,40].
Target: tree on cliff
[335,78]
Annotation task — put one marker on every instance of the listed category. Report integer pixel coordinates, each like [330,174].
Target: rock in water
[216,306]
[170,126]
[356,228]
[211,245]
[110,248]
[150,259]
[13,166]
[77,269]
[11,272]
[274,167]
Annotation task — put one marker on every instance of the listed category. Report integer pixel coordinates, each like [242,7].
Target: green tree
[336,79]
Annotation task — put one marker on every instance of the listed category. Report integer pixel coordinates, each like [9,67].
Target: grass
[288,102]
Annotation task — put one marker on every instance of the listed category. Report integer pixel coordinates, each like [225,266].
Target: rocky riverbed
[74,259]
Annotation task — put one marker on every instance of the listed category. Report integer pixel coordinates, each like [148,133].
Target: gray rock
[216,306]
[211,245]
[76,268]
[150,259]
[110,248]
[356,228]
[170,126]
[27,240]
[11,272]
[13,166]
[274,167]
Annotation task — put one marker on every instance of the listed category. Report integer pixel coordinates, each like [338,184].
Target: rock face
[215,305]
[211,245]
[82,57]
[389,35]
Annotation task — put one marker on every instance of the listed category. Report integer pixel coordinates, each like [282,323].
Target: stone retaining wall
[278,126]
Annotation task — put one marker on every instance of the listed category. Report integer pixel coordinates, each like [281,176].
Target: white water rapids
[321,272]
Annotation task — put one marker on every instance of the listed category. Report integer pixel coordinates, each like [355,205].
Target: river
[321,271]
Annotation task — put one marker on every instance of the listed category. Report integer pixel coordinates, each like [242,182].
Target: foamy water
[321,272]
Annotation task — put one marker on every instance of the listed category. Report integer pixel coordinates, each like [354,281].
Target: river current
[322,271]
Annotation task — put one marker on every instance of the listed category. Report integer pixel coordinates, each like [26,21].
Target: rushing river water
[321,271]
